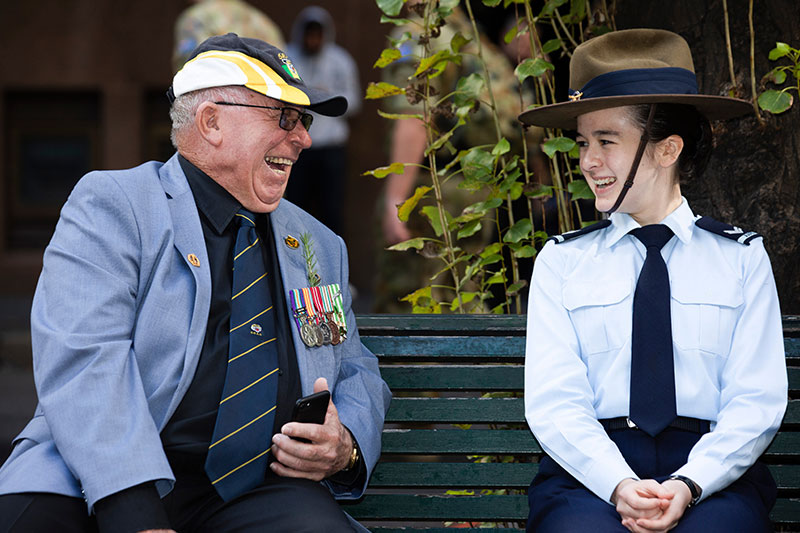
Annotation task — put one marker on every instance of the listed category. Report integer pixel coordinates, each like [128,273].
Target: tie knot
[246,218]
[653,235]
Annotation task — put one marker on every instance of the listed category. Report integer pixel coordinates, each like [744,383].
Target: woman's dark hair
[686,122]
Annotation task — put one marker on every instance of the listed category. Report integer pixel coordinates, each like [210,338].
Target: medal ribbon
[295,296]
[312,315]
[316,296]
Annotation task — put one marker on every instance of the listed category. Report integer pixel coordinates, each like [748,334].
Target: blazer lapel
[190,245]
[312,362]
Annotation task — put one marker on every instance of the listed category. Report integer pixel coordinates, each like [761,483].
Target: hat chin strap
[636,160]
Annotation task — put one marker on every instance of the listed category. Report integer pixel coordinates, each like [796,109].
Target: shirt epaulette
[558,239]
[726,230]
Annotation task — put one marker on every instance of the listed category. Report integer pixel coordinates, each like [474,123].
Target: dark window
[53,138]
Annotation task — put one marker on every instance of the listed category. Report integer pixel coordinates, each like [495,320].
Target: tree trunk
[753,179]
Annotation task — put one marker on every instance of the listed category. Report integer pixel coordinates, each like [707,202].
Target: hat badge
[575,96]
[288,66]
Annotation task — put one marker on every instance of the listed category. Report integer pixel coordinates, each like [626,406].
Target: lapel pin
[193,260]
[291,242]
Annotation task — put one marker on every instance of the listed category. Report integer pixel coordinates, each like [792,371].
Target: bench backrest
[456,447]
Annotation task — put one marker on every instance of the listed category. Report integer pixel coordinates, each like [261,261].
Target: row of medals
[317,331]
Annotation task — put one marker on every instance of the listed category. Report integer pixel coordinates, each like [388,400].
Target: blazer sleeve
[85,368]
[360,394]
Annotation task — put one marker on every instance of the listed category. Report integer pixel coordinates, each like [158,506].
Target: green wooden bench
[439,368]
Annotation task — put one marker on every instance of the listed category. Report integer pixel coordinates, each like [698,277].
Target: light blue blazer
[118,322]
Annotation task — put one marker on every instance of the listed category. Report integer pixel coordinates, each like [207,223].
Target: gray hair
[185,106]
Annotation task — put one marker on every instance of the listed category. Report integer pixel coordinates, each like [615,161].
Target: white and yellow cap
[228,59]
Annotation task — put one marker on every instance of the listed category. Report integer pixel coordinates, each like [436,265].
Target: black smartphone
[311,409]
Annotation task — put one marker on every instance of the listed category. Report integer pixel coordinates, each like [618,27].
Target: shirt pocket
[704,314]
[600,312]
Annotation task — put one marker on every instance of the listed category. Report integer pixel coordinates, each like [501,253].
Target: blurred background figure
[320,175]
[207,18]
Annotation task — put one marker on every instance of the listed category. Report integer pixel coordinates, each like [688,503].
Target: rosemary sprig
[310,259]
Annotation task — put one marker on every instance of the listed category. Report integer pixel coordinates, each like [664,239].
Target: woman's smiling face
[608,140]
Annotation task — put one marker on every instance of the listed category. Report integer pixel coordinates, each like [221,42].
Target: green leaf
[502,147]
[477,166]
[490,260]
[396,22]
[446,7]
[558,144]
[433,63]
[519,231]
[470,229]
[382,172]
[416,243]
[468,90]
[399,116]
[466,297]
[551,46]
[492,3]
[532,68]
[481,208]
[537,190]
[432,212]
[390,7]
[775,101]
[422,301]
[580,190]
[514,288]
[525,251]
[388,56]
[457,42]
[492,249]
[382,90]
[408,206]
[497,277]
[780,50]
[550,7]
[779,76]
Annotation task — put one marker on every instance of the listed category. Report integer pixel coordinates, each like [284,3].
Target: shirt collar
[680,221]
[217,204]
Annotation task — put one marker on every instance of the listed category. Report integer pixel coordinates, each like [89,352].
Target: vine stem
[499,135]
[728,46]
[437,188]
[753,63]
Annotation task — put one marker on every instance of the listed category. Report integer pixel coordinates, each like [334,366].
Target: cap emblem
[288,66]
[575,96]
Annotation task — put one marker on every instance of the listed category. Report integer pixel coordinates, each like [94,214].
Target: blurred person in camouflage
[207,18]
[319,178]
[400,273]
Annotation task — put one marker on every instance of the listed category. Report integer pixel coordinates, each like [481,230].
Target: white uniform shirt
[727,337]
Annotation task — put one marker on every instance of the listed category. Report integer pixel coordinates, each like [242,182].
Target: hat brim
[564,115]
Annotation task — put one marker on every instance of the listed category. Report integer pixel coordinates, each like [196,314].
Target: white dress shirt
[727,337]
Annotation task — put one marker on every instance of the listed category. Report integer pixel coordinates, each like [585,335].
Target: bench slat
[519,442]
[484,378]
[487,508]
[502,347]
[463,377]
[502,475]
[487,410]
[412,507]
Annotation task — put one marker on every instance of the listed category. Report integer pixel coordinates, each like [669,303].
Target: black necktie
[652,402]
[237,456]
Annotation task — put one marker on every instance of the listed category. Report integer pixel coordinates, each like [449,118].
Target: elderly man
[182,310]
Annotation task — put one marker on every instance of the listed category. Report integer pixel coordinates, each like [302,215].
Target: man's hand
[641,500]
[674,512]
[327,453]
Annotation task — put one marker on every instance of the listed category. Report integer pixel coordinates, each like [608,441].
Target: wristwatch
[694,489]
[353,458]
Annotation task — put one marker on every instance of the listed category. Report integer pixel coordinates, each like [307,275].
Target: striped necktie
[237,456]
[652,402]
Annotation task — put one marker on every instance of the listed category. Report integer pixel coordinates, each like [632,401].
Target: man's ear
[669,150]
[206,120]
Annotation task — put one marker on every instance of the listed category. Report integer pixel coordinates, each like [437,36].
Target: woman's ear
[668,150]
[207,122]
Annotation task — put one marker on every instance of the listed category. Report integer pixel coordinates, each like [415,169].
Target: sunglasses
[289,115]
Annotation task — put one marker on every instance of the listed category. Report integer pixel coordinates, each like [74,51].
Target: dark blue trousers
[561,504]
